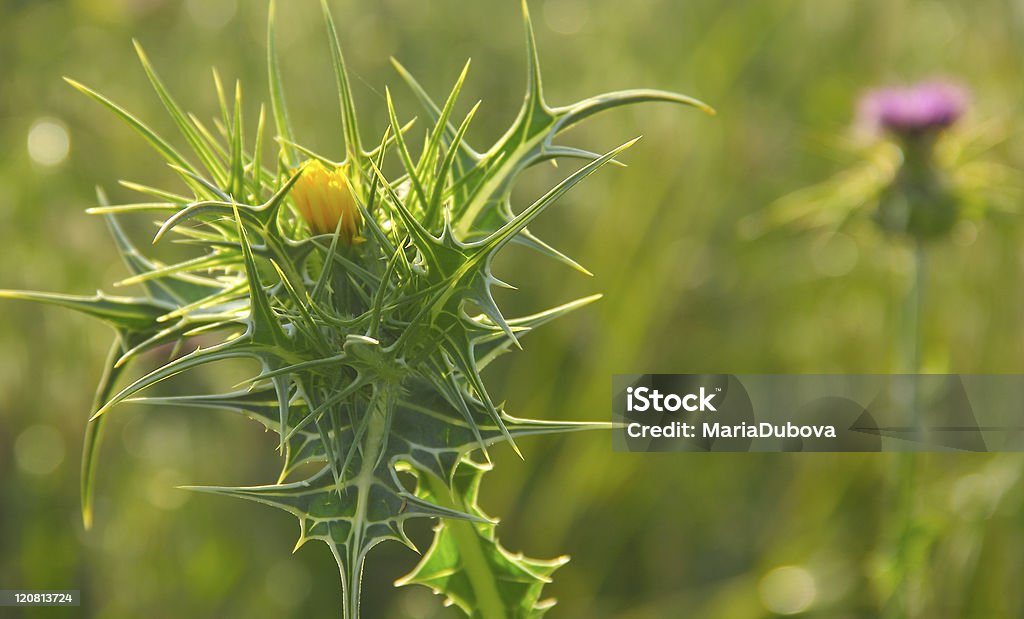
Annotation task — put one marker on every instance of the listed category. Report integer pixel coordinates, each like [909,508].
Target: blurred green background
[651,535]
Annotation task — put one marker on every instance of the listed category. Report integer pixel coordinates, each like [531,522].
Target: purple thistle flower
[914,109]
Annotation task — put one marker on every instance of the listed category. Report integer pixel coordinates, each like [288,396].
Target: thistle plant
[917,204]
[921,173]
[365,298]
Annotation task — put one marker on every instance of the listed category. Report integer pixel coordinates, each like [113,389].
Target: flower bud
[324,198]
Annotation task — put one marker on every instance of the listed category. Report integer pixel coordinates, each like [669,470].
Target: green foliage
[370,353]
[462,551]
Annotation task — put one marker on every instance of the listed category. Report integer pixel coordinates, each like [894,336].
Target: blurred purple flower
[914,109]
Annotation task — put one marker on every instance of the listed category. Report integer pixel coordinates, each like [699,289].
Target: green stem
[906,560]
[915,312]
[372,446]
[488,599]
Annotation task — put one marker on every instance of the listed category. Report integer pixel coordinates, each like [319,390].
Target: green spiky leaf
[463,551]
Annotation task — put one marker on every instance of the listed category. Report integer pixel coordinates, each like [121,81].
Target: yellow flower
[324,198]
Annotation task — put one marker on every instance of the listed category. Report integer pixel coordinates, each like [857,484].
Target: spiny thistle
[355,293]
